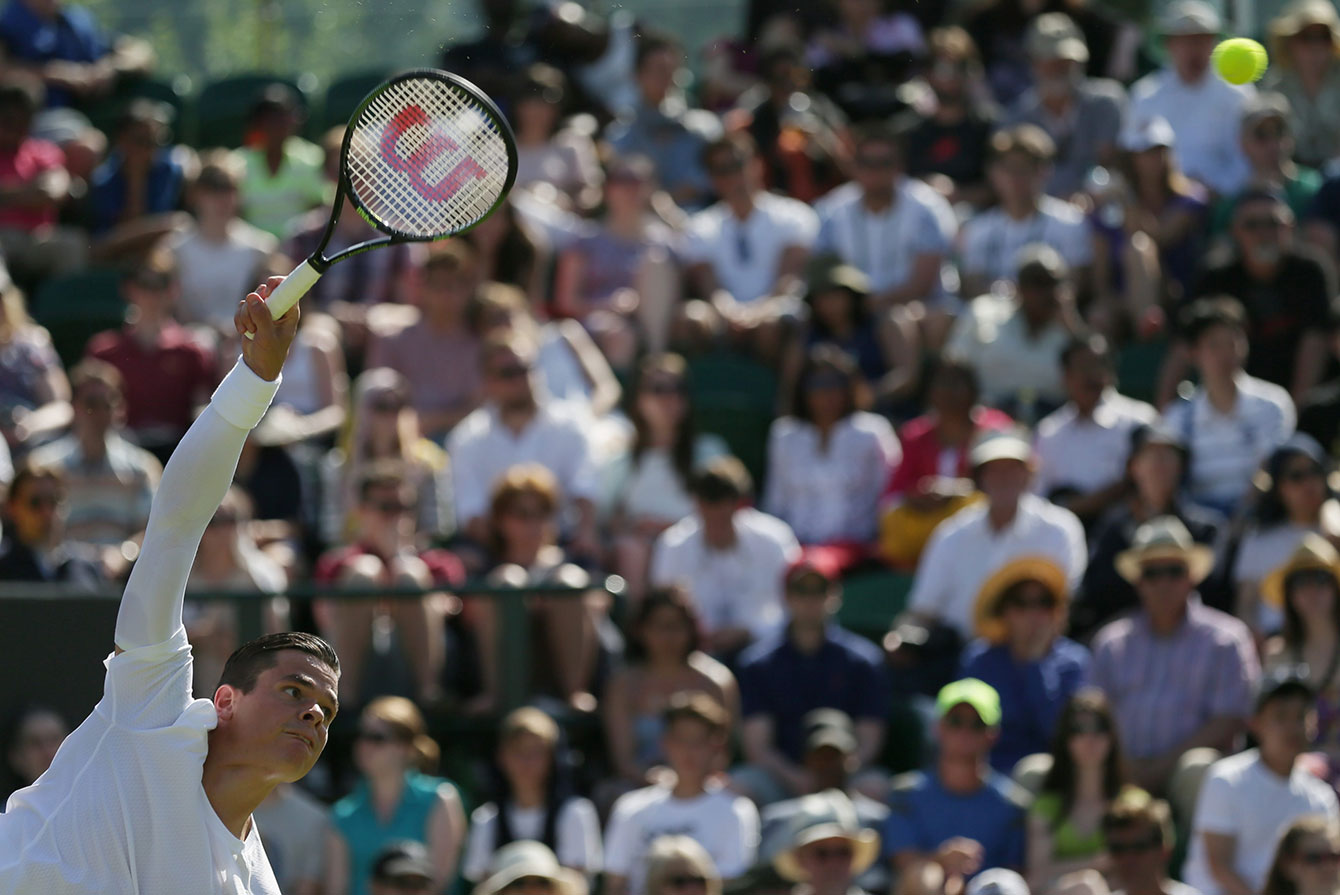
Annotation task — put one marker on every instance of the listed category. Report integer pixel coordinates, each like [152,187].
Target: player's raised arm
[199,473]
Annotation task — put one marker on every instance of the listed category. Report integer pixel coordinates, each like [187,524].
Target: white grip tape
[294,287]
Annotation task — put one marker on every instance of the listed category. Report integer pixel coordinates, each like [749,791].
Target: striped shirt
[1227,449]
[1165,688]
[992,241]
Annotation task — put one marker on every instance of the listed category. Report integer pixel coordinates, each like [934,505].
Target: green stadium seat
[341,98]
[1138,365]
[106,114]
[222,106]
[76,307]
[736,398]
[871,601]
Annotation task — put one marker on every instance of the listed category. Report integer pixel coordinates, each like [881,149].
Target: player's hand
[265,352]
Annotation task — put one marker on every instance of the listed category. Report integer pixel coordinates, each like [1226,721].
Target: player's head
[275,701]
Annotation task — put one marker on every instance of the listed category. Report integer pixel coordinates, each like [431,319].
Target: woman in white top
[1296,501]
[559,163]
[532,801]
[649,482]
[828,461]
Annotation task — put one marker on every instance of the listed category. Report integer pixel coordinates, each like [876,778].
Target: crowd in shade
[906,433]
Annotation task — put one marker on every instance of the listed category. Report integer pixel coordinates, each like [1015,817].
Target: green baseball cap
[979,694]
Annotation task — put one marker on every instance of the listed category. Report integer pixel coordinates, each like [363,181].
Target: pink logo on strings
[417,163]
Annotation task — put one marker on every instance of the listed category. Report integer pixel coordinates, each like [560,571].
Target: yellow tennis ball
[1240,60]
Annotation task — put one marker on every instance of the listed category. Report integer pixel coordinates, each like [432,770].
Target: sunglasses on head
[1173,571]
[1317,858]
[1135,846]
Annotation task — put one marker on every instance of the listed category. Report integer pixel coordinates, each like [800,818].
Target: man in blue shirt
[811,664]
[950,822]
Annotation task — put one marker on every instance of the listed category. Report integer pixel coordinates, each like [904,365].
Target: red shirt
[446,569]
[33,158]
[162,382]
[922,448]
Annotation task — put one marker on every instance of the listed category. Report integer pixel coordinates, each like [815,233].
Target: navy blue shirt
[923,816]
[781,682]
[72,36]
[107,190]
[1032,694]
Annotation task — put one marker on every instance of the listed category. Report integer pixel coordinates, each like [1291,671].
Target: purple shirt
[1165,688]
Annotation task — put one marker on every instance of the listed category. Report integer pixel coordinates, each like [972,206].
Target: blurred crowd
[1009,316]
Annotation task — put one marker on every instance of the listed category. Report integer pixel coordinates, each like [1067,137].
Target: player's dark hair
[248,661]
[1204,314]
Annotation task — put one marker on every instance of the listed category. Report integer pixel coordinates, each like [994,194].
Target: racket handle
[294,287]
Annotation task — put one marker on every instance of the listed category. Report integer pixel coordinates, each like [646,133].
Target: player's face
[283,722]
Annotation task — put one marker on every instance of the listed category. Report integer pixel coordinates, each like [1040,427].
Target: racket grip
[294,287]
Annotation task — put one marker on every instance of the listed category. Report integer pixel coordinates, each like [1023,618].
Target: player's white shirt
[122,810]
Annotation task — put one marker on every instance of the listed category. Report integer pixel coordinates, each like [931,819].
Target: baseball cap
[1040,263]
[1054,35]
[980,695]
[813,561]
[1147,134]
[1157,433]
[829,727]
[1185,17]
[1000,444]
[402,858]
[997,881]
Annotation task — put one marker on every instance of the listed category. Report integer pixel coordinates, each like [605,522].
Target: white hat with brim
[1002,444]
[1187,17]
[518,860]
[822,816]
[1165,538]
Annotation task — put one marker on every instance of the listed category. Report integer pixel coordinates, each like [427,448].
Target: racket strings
[426,158]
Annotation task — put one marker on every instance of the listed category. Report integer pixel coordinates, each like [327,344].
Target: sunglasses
[389,507]
[832,852]
[685,880]
[807,587]
[44,502]
[1134,847]
[1301,474]
[963,722]
[664,387]
[96,403]
[823,381]
[1046,602]
[1317,858]
[375,737]
[726,170]
[1320,35]
[1172,571]
[1089,725]
[1311,576]
[389,405]
[1262,134]
[511,371]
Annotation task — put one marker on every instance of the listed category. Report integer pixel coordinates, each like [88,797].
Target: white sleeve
[194,482]
[479,844]
[1217,807]
[579,836]
[621,839]
[930,586]
[468,482]
[739,840]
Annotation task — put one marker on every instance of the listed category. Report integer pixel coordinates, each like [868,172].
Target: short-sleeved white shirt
[1244,799]
[1088,453]
[993,240]
[723,823]
[122,810]
[745,255]
[576,835]
[993,336]
[1206,119]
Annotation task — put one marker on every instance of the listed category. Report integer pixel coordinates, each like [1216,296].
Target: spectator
[686,803]
[1305,39]
[520,424]
[1156,469]
[1268,144]
[111,481]
[133,195]
[34,547]
[992,242]
[1306,590]
[530,867]
[218,254]
[402,866]
[864,55]
[438,354]
[532,802]
[968,548]
[650,481]
[828,459]
[385,427]
[894,229]
[813,664]
[885,346]
[166,373]
[1021,653]
[283,171]
[395,757]
[729,557]
[30,744]
[385,552]
[947,148]
[1016,338]
[295,827]
[1083,447]
[934,480]
[1233,420]
[1249,798]
[746,253]
[1085,779]
[662,126]
[1138,835]
[1306,859]
[523,551]
[1081,115]
[509,250]
[675,863]
[1179,674]
[619,278]
[663,656]
[1298,501]
[506,46]
[1204,110]
[957,818]
[830,847]
[34,393]
[34,186]
[561,162]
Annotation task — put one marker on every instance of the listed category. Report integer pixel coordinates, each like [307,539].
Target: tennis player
[153,793]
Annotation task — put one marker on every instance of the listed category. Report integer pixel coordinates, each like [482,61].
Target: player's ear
[225,701]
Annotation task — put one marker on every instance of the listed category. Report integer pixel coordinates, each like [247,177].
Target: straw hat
[1313,553]
[986,614]
[1165,538]
[827,815]
[517,860]
[1297,17]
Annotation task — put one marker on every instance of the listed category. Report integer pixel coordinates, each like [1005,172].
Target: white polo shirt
[992,240]
[1206,119]
[964,551]
[746,255]
[1011,361]
[1088,453]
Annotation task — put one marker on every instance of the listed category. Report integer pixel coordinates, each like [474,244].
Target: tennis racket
[426,155]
